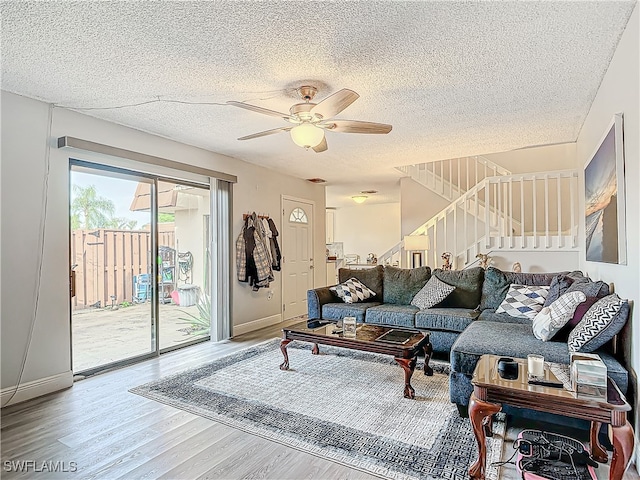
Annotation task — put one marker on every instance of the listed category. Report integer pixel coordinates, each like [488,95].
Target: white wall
[364,229]
[537,159]
[418,204]
[25,143]
[619,93]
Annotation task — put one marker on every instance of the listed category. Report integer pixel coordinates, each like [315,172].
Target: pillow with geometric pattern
[524,301]
[434,291]
[601,323]
[551,319]
[353,291]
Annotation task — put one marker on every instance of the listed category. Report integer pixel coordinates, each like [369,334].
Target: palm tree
[88,209]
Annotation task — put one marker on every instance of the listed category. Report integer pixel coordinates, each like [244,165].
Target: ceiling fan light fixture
[307,135]
[359,198]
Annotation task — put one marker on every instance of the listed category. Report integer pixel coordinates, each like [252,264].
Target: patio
[105,335]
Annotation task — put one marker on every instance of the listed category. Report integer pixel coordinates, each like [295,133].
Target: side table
[490,392]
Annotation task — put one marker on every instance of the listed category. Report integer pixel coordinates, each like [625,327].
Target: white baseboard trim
[256,324]
[36,388]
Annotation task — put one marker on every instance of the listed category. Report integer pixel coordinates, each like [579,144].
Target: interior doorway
[297,262]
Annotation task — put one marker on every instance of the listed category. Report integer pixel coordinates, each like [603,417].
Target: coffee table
[490,392]
[366,340]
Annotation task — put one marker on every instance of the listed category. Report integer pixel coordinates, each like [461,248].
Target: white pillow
[551,319]
[524,301]
[353,291]
[434,291]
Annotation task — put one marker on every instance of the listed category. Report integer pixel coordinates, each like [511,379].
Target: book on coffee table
[396,336]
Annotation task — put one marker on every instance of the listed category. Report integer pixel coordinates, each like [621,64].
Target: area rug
[342,405]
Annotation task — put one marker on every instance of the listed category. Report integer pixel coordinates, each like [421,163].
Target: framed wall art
[605,222]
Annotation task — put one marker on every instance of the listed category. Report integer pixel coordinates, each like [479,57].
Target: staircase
[501,211]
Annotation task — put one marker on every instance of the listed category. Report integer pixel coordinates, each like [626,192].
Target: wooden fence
[106,262]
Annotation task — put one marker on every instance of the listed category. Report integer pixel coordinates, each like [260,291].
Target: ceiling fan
[310,120]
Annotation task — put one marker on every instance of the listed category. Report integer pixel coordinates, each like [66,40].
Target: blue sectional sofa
[465,325]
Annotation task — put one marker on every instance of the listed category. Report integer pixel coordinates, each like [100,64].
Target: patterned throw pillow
[581,310]
[524,301]
[600,324]
[551,319]
[433,292]
[353,291]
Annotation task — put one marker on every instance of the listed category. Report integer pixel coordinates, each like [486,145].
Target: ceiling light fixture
[307,135]
[359,198]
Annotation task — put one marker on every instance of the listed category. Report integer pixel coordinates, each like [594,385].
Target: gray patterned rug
[342,405]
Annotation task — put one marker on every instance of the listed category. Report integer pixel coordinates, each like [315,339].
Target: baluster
[500,215]
[534,221]
[467,173]
[465,215]
[572,195]
[459,184]
[475,220]
[450,179]
[558,181]
[487,229]
[522,222]
[510,200]
[546,210]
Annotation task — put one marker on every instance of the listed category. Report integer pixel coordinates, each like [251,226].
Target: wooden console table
[490,391]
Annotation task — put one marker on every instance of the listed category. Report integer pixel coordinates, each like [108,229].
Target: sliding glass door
[140,255]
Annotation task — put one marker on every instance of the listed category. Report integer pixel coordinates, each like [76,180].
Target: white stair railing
[452,177]
[523,211]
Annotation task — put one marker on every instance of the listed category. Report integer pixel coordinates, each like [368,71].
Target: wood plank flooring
[110,433]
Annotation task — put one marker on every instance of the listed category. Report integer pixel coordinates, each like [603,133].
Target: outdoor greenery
[90,210]
[200,324]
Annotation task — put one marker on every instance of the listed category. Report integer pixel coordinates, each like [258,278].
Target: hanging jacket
[275,248]
[253,261]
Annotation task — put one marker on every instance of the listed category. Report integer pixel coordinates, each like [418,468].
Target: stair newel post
[487,207]
[572,195]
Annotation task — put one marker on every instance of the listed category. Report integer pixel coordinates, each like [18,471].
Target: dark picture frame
[604,181]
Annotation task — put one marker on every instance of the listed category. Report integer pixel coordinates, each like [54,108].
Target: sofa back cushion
[496,284]
[402,284]
[371,277]
[468,285]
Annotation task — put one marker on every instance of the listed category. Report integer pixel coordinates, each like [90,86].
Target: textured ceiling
[453,78]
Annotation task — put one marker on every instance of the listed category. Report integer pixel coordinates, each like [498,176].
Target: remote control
[546,383]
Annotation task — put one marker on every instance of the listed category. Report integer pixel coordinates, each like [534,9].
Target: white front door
[297,250]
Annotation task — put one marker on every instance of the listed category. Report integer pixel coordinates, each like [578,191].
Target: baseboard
[36,388]
[256,324]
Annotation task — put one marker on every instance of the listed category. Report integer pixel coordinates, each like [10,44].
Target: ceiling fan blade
[264,111]
[334,104]
[266,132]
[355,126]
[321,147]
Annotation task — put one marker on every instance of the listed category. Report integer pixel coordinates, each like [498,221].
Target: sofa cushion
[353,291]
[433,292]
[492,316]
[550,320]
[468,285]
[523,301]
[449,319]
[600,324]
[337,311]
[496,284]
[402,284]
[597,289]
[513,340]
[371,277]
[387,314]
[561,282]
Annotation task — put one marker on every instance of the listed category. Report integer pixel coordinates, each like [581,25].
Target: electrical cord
[41,243]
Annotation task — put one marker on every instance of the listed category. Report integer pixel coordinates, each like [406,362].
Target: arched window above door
[298,215]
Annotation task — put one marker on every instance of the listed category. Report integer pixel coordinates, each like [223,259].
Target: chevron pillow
[523,301]
[353,291]
[551,319]
[434,291]
[600,324]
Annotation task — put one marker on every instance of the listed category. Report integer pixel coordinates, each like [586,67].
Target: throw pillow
[550,320]
[563,334]
[524,301]
[371,277]
[468,286]
[600,324]
[590,289]
[353,291]
[434,291]
[401,284]
[561,283]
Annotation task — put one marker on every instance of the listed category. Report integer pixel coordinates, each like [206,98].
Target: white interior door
[297,248]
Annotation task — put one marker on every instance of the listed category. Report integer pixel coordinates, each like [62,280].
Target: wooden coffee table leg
[283,348]
[622,439]
[478,411]
[598,453]
[408,365]
[428,350]
[315,350]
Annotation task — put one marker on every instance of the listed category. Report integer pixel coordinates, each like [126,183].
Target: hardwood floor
[109,433]
[105,432]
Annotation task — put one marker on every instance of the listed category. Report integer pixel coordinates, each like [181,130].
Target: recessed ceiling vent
[316,180]
[369,192]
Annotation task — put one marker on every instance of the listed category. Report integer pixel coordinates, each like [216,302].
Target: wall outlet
[270,295]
